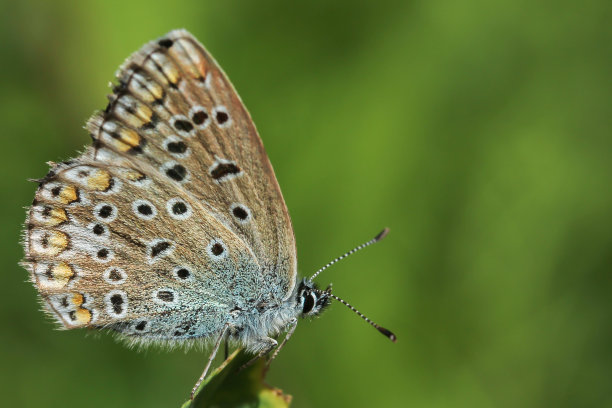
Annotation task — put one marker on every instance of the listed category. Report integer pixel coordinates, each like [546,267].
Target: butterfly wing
[202,137]
[173,215]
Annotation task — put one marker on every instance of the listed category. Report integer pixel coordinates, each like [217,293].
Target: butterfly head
[311,300]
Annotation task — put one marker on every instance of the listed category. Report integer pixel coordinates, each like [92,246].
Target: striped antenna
[381,329]
[374,240]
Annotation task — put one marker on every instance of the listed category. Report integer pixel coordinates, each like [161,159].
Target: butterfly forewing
[200,135]
[175,203]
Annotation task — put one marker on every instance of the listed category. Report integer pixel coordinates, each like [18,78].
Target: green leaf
[230,387]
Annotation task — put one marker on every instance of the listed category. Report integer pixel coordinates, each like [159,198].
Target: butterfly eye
[309,302]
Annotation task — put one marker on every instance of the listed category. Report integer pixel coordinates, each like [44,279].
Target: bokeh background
[479,132]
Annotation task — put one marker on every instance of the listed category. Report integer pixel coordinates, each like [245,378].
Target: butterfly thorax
[248,327]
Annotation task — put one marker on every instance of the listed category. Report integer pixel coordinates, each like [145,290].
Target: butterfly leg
[265,344]
[292,326]
[226,349]
[210,360]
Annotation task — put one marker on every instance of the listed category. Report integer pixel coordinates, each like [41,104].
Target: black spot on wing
[177,172]
[165,296]
[117,303]
[183,125]
[177,147]
[166,42]
[222,170]
[159,248]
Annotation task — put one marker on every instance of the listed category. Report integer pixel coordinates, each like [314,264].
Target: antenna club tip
[381,234]
[388,334]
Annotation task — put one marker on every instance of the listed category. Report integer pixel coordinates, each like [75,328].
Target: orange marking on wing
[57,242]
[77,299]
[56,217]
[99,181]
[133,175]
[62,272]
[68,195]
[82,316]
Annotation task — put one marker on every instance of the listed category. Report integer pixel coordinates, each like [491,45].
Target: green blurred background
[479,132]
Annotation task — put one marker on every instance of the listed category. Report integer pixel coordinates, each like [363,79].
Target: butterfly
[171,227]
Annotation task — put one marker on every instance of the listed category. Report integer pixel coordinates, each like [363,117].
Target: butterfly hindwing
[98,259]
